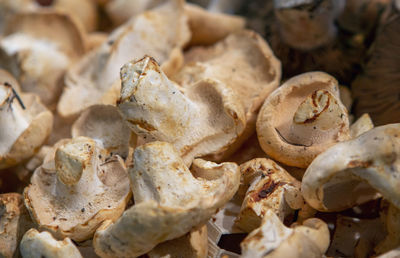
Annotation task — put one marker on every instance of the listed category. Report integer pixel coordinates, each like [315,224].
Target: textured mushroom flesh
[311,119]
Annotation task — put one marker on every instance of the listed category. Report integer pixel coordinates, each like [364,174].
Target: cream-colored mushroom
[267,187]
[42,244]
[14,221]
[192,245]
[37,49]
[244,62]
[160,32]
[352,172]
[209,27]
[105,124]
[169,200]
[25,123]
[302,118]
[79,186]
[204,119]
[273,239]
[10,7]
[362,125]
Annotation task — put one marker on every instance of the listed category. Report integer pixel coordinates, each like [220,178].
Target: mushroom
[204,119]
[14,221]
[381,102]
[79,186]
[25,123]
[8,8]
[267,187]
[362,125]
[391,219]
[169,200]
[37,48]
[352,172]
[273,239]
[105,124]
[160,32]
[302,118]
[192,245]
[42,244]
[209,27]
[242,61]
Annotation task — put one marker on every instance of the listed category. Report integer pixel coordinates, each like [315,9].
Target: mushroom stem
[12,120]
[72,159]
[307,24]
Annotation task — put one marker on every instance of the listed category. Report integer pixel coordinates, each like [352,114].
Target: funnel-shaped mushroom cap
[14,221]
[160,32]
[273,239]
[25,123]
[42,244]
[105,124]
[209,27]
[268,187]
[205,119]
[302,118]
[37,48]
[79,188]
[351,172]
[169,200]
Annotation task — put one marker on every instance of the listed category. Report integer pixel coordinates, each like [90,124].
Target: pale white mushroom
[169,200]
[160,32]
[14,221]
[352,172]
[204,119]
[302,118]
[25,123]
[79,186]
[273,239]
[267,187]
[244,62]
[37,49]
[36,244]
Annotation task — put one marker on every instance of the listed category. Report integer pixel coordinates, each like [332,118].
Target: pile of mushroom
[160,128]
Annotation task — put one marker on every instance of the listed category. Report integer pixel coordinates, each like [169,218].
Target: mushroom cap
[160,32]
[380,102]
[193,244]
[42,244]
[302,118]
[38,47]
[273,239]
[351,172]
[204,119]
[14,221]
[267,186]
[22,131]
[363,124]
[169,200]
[209,27]
[77,188]
[105,124]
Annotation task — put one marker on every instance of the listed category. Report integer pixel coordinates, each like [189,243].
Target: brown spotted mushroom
[169,200]
[267,187]
[302,118]
[78,186]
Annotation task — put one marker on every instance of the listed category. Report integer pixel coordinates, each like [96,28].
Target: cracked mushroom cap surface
[42,244]
[79,186]
[14,221]
[302,118]
[352,172]
[37,49]
[25,123]
[105,124]
[274,239]
[160,32]
[169,200]
[204,119]
[267,187]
